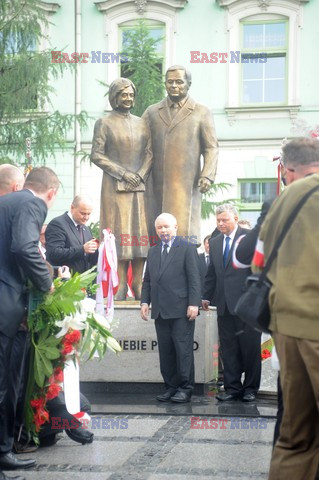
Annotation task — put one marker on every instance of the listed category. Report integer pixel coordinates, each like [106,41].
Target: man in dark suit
[22,214]
[172,284]
[69,241]
[204,260]
[240,344]
[245,248]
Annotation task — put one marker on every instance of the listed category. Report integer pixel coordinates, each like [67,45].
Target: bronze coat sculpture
[121,148]
[178,142]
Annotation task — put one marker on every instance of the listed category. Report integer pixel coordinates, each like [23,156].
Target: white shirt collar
[70,215]
[232,234]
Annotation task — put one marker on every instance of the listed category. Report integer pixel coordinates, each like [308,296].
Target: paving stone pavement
[161,447]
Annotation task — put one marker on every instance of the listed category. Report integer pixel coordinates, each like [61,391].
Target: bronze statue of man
[121,148]
[182,131]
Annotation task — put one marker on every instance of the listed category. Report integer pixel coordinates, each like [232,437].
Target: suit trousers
[175,337]
[240,345]
[12,353]
[296,453]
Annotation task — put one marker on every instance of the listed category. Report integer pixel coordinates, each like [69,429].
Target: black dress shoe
[4,477]
[226,397]
[166,396]
[9,461]
[249,397]
[79,435]
[181,397]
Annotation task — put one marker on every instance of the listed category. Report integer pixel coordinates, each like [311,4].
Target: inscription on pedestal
[139,362]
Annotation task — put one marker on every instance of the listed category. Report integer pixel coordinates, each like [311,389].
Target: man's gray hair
[167,216]
[302,151]
[227,207]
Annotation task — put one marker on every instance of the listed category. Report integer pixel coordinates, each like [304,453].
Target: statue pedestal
[139,361]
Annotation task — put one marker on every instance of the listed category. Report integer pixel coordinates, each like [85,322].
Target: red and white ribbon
[259,256]
[107,277]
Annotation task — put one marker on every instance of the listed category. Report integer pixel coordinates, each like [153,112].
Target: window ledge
[263,112]
[262,4]
[49,7]
[141,6]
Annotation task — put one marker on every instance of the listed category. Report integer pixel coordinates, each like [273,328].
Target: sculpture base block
[139,360]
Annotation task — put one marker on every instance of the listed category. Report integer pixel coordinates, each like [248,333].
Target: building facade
[253,62]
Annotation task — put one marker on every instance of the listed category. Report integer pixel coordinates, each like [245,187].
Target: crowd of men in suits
[176,282]
[23,208]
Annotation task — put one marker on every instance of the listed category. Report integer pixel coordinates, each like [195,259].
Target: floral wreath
[63,325]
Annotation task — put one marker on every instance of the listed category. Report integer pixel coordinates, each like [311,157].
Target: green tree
[26,77]
[143,67]
[209,204]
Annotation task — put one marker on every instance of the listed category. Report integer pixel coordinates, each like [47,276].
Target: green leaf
[94,347]
[51,353]
[46,364]
[43,336]
[39,375]
[86,342]
[52,341]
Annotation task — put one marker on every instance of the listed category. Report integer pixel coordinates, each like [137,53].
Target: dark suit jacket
[175,287]
[64,246]
[246,247]
[202,268]
[21,218]
[224,285]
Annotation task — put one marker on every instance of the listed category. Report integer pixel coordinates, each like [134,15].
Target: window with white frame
[160,18]
[156,31]
[264,76]
[274,29]
[252,194]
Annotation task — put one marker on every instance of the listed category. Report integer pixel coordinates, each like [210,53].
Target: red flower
[73,337]
[58,375]
[40,417]
[67,348]
[265,353]
[37,403]
[53,391]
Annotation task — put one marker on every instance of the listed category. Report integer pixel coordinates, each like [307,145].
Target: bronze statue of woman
[121,148]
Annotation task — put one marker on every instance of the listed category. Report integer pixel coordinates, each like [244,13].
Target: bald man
[69,241]
[11,179]
[172,284]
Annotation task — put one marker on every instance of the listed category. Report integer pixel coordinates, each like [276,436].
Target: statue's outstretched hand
[204,184]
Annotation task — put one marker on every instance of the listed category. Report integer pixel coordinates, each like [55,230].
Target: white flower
[101,320]
[87,305]
[113,345]
[75,322]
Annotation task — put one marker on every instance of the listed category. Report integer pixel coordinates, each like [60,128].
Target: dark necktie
[164,254]
[81,233]
[207,260]
[226,251]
